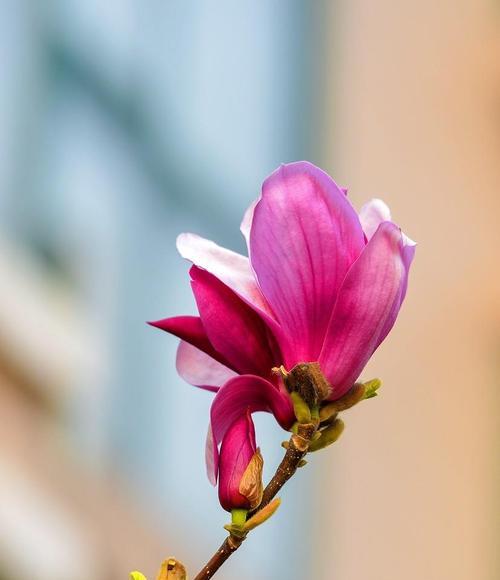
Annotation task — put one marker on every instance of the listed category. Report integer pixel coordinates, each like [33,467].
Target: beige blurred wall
[413,115]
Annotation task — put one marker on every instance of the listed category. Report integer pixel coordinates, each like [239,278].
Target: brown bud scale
[308,380]
[251,485]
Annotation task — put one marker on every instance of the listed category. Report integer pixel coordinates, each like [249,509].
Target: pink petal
[305,235]
[190,329]
[199,369]
[232,400]
[372,214]
[367,307]
[409,247]
[230,267]
[233,328]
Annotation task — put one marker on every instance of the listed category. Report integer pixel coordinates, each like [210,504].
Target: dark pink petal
[190,329]
[237,449]
[201,370]
[233,328]
[232,400]
[367,307]
[229,267]
[305,235]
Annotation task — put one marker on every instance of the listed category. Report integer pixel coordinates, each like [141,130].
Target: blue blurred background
[127,122]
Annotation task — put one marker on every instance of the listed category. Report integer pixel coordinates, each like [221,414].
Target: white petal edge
[229,267]
[246,222]
[372,214]
[199,369]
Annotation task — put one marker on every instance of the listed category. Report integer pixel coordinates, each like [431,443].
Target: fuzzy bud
[308,380]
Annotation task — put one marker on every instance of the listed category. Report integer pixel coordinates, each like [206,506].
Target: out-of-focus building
[58,517]
[123,124]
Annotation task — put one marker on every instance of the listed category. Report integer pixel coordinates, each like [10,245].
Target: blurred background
[126,122]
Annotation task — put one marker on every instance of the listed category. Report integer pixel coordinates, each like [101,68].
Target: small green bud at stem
[328,436]
[301,409]
[327,412]
[137,576]
[371,388]
[358,392]
[262,515]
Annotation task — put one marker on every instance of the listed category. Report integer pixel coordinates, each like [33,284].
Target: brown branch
[296,450]
[230,545]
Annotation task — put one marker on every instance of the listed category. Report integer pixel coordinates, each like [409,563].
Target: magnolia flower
[322,283]
[240,467]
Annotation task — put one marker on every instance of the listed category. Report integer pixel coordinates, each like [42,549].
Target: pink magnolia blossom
[237,454]
[322,283]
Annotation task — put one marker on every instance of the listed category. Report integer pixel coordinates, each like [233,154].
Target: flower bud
[240,467]
[262,515]
[329,435]
[172,569]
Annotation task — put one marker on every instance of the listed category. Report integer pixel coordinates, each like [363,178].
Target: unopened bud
[137,576]
[300,408]
[327,412]
[240,467]
[353,396]
[262,515]
[328,436]
[371,388]
[172,569]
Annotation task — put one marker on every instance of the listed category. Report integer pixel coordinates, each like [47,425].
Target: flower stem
[296,450]
[238,516]
[230,545]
